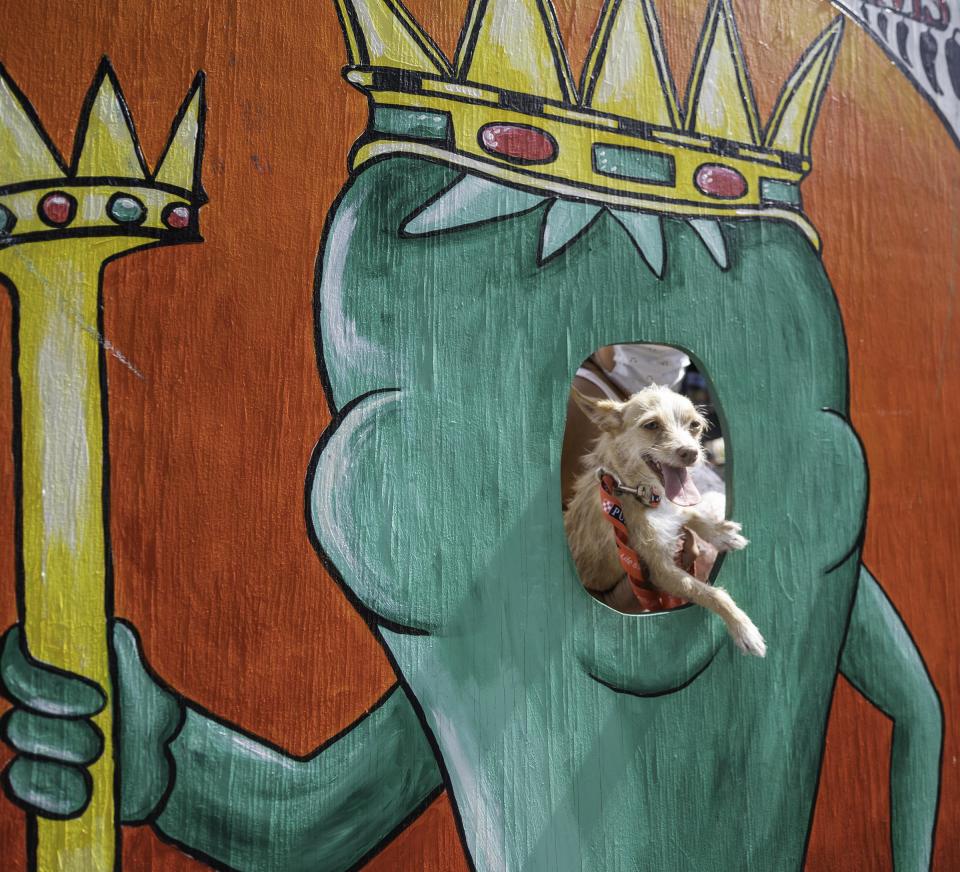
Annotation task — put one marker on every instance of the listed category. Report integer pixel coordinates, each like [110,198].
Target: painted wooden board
[533,729]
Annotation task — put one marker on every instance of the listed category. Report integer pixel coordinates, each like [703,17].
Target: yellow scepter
[59,227]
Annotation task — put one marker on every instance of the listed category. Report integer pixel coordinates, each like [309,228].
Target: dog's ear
[606,414]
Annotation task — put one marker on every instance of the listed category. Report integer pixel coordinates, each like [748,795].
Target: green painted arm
[252,807]
[881,661]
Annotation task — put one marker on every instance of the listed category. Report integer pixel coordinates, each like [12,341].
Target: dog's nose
[687,456]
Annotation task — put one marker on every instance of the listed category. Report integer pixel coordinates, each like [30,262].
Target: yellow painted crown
[509,109]
[107,189]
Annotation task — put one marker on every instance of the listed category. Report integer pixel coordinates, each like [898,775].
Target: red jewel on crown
[518,142]
[716,180]
[58,209]
[177,217]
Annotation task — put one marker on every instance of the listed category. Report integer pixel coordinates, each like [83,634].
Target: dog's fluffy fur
[652,440]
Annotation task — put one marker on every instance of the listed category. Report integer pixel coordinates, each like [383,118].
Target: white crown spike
[382,33]
[646,233]
[468,201]
[488,53]
[106,140]
[720,100]
[564,223]
[25,152]
[711,234]
[791,125]
[627,72]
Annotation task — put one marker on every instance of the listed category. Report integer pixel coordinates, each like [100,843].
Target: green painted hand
[51,730]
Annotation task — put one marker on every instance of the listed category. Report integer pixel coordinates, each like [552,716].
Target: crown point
[794,118]
[515,45]
[180,164]
[627,73]
[106,141]
[720,100]
[383,33]
[25,151]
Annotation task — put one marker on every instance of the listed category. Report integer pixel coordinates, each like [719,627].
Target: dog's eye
[652,425]
[696,425]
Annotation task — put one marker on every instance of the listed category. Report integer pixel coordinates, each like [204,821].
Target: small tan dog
[651,441]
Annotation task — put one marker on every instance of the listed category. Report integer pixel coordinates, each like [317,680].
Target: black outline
[721,166]
[907,71]
[11,795]
[597,55]
[719,10]
[787,92]
[191,223]
[126,224]
[337,416]
[10,219]
[71,210]
[27,107]
[688,219]
[656,693]
[105,71]
[385,80]
[29,713]
[470,35]
[405,234]
[633,241]
[375,131]
[152,239]
[936,693]
[5,691]
[419,34]
[197,193]
[573,240]
[770,201]
[857,547]
[522,161]
[106,181]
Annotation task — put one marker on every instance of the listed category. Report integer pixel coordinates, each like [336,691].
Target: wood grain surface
[211,437]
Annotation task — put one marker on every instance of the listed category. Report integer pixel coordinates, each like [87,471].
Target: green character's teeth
[564,222]
[470,200]
[646,231]
[708,229]
[473,200]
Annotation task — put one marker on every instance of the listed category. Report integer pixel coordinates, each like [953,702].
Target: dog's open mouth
[677,482]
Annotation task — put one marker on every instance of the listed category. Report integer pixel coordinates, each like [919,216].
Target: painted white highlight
[339,331]
[476,805]
[65,477]
[334,465]
[471,201]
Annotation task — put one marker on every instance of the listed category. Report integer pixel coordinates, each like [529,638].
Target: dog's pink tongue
[679,486]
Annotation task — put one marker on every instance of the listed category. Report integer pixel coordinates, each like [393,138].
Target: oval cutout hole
[645,415]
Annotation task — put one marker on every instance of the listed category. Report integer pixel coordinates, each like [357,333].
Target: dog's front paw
[725,536]
[748,639]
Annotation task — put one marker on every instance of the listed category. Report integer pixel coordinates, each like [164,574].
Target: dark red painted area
[519,143]
[719,181]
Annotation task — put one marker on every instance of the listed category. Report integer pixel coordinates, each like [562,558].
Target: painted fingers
[50,729]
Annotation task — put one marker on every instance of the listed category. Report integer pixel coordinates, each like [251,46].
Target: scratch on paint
[89,329]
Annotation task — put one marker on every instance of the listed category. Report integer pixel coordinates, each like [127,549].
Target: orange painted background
[210,442]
